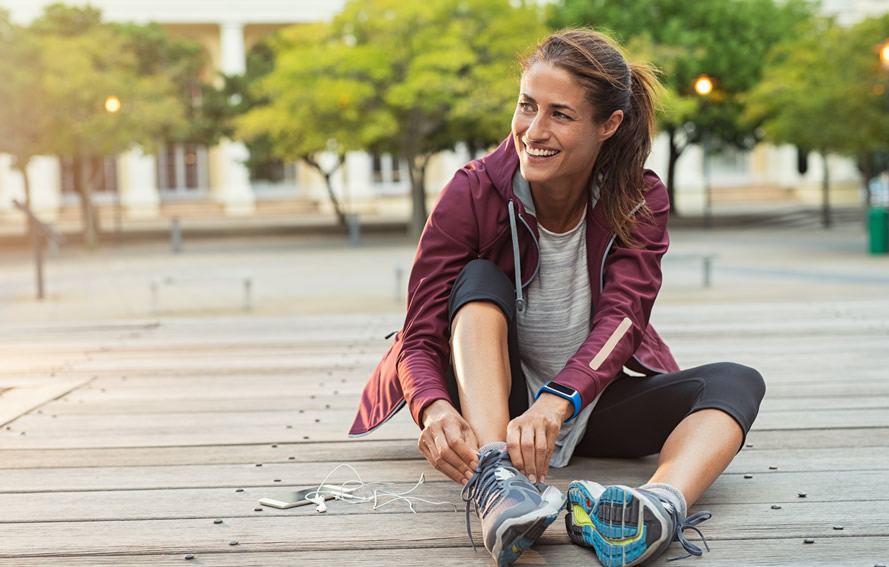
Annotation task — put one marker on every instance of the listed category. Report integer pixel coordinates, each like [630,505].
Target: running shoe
[627,526]
[513,511]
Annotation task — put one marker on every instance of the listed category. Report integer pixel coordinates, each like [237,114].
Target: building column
[232,179]
[43,173]
[137,179]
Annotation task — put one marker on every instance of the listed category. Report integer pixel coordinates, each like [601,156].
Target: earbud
[319,500]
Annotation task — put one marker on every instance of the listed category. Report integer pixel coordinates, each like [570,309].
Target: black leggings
[634,415]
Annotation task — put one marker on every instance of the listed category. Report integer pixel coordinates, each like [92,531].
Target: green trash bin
[878,228]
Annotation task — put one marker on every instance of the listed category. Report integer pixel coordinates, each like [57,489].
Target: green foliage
[409,78]
[24,130]
[827,90]
[725,39]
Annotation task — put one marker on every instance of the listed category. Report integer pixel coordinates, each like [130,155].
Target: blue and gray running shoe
[513,512]
[627,526]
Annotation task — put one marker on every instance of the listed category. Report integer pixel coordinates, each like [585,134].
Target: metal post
[248,283]
[176,235]
[708,202]
[354,229]
[399,276]
[36,238]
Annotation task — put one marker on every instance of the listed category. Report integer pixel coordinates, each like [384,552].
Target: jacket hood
[500,166]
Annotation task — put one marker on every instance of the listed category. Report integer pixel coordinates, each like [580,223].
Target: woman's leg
[697,452]
[487,387]
[481,366]
[697,419]
[485,380]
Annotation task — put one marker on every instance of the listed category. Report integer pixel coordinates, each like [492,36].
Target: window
[101,174]
[182,168]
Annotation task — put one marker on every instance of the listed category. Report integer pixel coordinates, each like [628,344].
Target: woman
[530,294]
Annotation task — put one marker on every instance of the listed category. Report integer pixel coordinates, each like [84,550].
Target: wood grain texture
[166,419]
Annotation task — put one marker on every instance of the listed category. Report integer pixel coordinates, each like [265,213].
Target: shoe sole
[515,535]
[621,525]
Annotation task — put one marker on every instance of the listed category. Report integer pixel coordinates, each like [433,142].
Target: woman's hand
[448,442]
[531,437]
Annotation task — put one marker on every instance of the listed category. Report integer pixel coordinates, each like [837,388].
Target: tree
[725,39]
[841,108]
[23,106]
[81,63]
[408,78]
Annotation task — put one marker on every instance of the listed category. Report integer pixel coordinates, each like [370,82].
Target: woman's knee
[482,281]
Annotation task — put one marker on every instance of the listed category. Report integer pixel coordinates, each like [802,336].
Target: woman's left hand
[531,437]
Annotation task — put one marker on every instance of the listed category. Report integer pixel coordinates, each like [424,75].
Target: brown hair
[598,64]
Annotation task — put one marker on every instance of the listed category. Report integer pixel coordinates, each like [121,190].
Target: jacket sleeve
[449,241]
[631,281]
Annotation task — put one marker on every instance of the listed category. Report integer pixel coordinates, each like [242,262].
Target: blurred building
[181,180]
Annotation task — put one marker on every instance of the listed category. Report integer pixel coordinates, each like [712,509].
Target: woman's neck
[559,211]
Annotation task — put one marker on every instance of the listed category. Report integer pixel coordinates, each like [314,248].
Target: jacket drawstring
[520,300]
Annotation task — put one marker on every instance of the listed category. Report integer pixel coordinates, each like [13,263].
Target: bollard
[399,275]
[354,229]
[176,236]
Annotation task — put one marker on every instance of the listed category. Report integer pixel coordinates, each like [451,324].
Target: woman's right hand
[448,442]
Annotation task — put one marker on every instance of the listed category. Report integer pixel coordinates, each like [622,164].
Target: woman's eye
[560,115]
[525,106]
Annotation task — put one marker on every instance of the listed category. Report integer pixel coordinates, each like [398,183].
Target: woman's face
[555,134]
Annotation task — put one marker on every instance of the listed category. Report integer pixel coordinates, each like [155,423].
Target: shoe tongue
[503,473]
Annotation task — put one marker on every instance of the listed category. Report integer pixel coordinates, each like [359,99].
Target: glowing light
[112,104]
[884,53]
[703,85]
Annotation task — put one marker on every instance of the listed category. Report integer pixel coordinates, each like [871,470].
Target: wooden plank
[127,505]
[111,401]
[26,395]
[823,438]
[822,419]
[436,530]
[354,451]
[754,460]
[765,486]
[827,551]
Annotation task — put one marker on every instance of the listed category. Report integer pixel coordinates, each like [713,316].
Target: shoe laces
[689,523]
[485,488]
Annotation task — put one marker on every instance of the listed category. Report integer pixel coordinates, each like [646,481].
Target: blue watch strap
[563,392]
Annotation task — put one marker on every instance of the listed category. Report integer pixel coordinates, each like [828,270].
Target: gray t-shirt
[556,319]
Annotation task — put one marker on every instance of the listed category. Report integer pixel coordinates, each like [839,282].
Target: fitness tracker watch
[562,391]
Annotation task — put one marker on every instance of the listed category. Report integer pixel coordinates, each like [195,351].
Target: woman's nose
[537,128]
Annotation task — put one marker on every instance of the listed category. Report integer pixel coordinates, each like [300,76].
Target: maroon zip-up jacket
[472,220]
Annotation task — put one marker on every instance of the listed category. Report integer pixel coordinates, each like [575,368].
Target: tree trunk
[675,152]
[88,209]
[328,183]
[825,192]
[416,166]
[22,167]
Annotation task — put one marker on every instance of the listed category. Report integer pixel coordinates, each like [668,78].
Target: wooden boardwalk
[122,442]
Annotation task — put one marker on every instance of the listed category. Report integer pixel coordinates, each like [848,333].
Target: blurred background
[140,138]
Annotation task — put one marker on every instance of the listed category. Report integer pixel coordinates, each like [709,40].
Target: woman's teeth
[541,153]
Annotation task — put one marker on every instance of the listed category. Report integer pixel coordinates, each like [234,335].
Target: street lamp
[703,86]
[112,104]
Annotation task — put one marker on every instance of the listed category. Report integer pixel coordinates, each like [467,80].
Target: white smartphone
[296,498]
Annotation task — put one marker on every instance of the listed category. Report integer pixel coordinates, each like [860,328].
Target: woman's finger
[513,446]
[542,443]
[529,456]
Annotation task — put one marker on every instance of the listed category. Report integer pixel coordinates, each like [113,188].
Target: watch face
[562,389]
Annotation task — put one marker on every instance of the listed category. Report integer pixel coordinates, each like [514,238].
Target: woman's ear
[610,126]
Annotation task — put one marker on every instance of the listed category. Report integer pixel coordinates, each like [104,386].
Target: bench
[157,281]
[705,258]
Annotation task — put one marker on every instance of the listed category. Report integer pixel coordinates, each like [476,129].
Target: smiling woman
[530,294]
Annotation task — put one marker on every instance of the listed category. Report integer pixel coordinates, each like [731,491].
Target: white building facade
[146,185]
